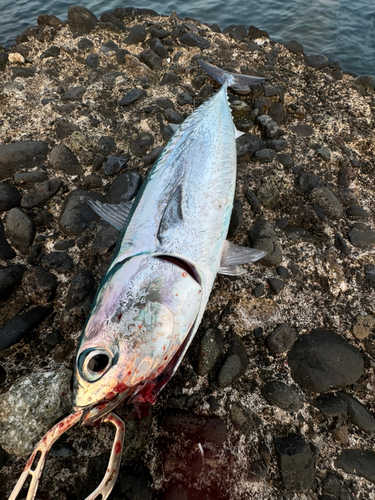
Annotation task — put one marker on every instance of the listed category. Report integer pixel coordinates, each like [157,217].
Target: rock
[93,61]
[105,240]
[330,405]
[91,181]
[52,51]
[193,40]
[270,127]
[236,218]
[327,201]
[173,116]
[358,462]
[81,291]
[105,146]
[137,34]
[334,489]
[19,229]
[41,193]
[282,271]
[64,244]
[81,20]
[265,155]
[39,284]
[76,215]
[29,179]
[170,78]
[114,164]
[322,360]
[244,420]
[253,201]
[124,187]
[277,112]
[136,481]
[282,395]
[318,61]
[59,261]
[258,291]
[152,60]
[235,364]
[255,33]
[211,347]
[108,47]
[48,394]
[363,326]
[63,159]
[370,274]
[84,44]
[357,413]
[108,17]
[138,69]
[74,94]
[237,32]
[184,98]
[159,48]
[195,427]
[286,160]
[295,461]
[23,154]
[131,97]
[247,145]
[10,279]
[268,195]
[341,244]
[357,212]
[21,326]
[142,144]
[362,236]
[281,339]
[3,60]
[262,236]
[6,251]
[239,109]
[308,182]
[302,130]
[9,196]
[276,285]
[365,81]
[294,47]
[22,73]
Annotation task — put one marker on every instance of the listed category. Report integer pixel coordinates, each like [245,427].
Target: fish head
[141,315]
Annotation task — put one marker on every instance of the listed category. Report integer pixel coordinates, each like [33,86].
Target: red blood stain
[119,317]
[166,357]
[120,387]
[184,275]
[101,406]
[118,447]
[110,395]
[63,394]
[199,291]
[140,327]
[176,294]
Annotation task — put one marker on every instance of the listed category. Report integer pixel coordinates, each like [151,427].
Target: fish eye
[94,363]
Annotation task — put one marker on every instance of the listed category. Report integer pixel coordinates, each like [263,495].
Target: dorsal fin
[172,214]
[116,214]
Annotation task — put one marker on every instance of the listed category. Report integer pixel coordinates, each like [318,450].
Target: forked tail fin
[231,79]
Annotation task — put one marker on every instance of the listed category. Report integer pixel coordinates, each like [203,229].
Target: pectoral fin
[233,256]
[115,214]
[172,215]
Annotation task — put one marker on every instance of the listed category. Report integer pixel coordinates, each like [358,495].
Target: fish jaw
[141,315]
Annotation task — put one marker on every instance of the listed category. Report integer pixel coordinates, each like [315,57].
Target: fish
[172,245]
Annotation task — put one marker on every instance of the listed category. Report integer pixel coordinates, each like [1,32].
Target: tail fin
[231,79]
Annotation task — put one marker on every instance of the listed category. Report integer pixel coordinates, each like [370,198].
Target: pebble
[59,261]
[235,364]
[363,326]
[63,159]
[247,145]
[357,413]
[81,20]
[173,116]
[282,271]
[9,196]
[193,40]
[327,201]
[105,240]
[265,155]
[277,144]
[361,236]
[239,109]
[170,78]
[84,44]
[268,195]
[41,193]
[137,34]
[281,339]
[153,155]
[108,17]
[253,201]
[357,212]
[286,160]
[91,181]
[76,215]
[21,326]
[74,93]
[52,51]
[324,153]
[341,244]
[318,61]
[295,462]
[270,127]
[237,32]
[142,144]
[244,420]
[20,230]
[164,103]
[159,48]
[29,179]
[235,218]
[138,69]
[48,394]
[282,395]
[308,182]
[81,291]
[6,251]
[167,132]
[108,47]
[330,405]
[210,349]
[156,32]
[262,236]
[39,285]
[93,61]
[3,60]
[114,164]
[277,112]
[322,360]
[10,279]
[22,154]
[152,60]
[366,81]
[196,427]
[105,146]
[358,462]
[131,97]
[258,291]
[276,285]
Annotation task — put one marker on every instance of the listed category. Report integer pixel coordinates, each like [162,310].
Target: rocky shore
[275,397]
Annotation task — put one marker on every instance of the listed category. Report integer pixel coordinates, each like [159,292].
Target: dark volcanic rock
[235,364]
[59,261]
[357,212]
[211,346]
[244,420]
[334,489]
[308,182]
[263,237]
[41,193]
[76,215]
[9,196]
[81,291]
[114,164]
[152,60]
[193,40]
[159,49]
[10,279]
[327,201]
[23,154]
[124,187]
[105,146]
[294,47]
[64,160]
[281,339]
[29,179]
[137,34]
[131,97]
[253,201]
[22,325]
[322,360]
[6,251]
[20,229]
[330,405]
[282,395]
[362,236]
[276,285]
[358,462]
[105,240]
[142,144]
[39,284]
[318,61]
[81,20]
[358,414]
[74,94]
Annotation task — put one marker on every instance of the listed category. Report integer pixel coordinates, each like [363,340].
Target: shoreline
[86,108]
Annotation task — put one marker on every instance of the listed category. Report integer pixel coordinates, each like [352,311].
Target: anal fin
[233,256]
[115,214]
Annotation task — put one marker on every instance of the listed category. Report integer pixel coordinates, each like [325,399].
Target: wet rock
[9,196]
[334,489]
[21,326]
[330,405]
[357,212]
[236,218]
[81,291]
[268,195]
[137,34]
[6,251]
[41,193]
[142,144]
[105,240]
[63,159]
[10,279]
[276,285]
[322,360]
[263,237]
[362,236]
[282,395]
[327,201]
[23,154]
[81,20]
[318,61]
[265,155]
[363,326]
[281,339]
[286,160]
[295,461]
[48,394]
[114,164]
[76,215]
[235,364]
[59,261]
[39,285]
[211,347]
[358,462]
[19,229]
[357,413]
[131,97]
[193,40]
[244,420]
[294,47]
[195,427]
